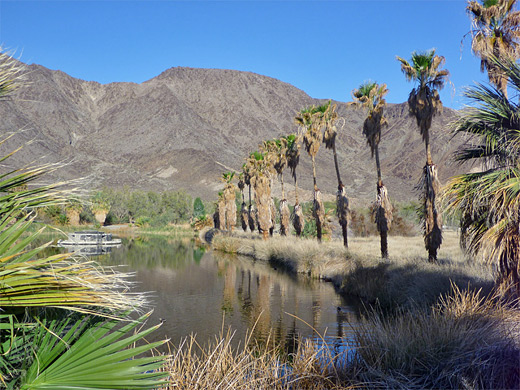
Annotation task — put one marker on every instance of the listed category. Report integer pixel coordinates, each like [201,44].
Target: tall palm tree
[293,159]
[279,165]
[329,139]
[247,170]
[424,103]
[370,95]
[243,208]
[261,181]
[269,149]
[310,120]
[228,196]
[489,200]
[495,31]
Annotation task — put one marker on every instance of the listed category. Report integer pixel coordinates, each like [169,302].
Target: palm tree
[228,197]
[293,159]
[279,165]
[311,121]
[244,215]
[495,31]
[424,103]
[489,200]
[247,170]
[329,139]
[261,181]
[370,95]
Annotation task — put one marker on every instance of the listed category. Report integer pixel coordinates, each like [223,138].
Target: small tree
[198,208]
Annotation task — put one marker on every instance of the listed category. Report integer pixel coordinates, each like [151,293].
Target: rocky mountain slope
[183,128]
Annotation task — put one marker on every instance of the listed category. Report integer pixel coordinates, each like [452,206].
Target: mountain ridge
[184,127]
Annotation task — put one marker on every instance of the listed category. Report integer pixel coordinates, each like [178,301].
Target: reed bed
[250,366]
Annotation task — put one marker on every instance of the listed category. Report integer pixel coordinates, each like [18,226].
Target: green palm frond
[489,200]
[11,74]
[74,355]
[55,281]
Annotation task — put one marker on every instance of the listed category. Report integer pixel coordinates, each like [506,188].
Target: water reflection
[202,292]
[89,250]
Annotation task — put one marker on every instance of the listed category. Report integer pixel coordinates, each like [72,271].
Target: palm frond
[74,355]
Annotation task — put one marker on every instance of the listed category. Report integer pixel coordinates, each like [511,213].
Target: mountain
[183,128]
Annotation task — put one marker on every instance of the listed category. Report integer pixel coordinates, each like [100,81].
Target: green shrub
[198,208]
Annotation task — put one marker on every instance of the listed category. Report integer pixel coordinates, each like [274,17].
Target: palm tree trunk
[342,210]
[250,219]
[284,217]
[383,208]
[341,201]
[336,165]
[244,215]
[296,190]
[378,167]
[316,204]
[319,213]
[429,160]
[314,173]
[432,216]
[281,182]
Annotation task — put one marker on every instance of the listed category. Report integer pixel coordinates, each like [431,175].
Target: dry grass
[406,279]
[463,342]
[293,254]
[252,367]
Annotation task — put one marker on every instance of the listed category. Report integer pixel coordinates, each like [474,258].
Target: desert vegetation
[112,206]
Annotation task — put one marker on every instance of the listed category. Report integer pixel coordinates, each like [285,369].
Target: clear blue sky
[325,48]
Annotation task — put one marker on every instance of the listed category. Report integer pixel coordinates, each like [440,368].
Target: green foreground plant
[60,316]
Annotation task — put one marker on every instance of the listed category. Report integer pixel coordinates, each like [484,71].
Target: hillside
[183,128]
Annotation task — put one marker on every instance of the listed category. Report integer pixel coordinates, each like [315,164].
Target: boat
[90,237]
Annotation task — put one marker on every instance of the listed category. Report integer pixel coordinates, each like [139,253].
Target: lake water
[202,292]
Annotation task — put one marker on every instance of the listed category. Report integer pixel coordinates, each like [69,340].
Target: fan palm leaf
[495,32]
[489,200]
[72,354]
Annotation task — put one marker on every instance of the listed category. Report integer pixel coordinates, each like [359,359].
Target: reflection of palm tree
[229,288]
[262,307]
[316,311]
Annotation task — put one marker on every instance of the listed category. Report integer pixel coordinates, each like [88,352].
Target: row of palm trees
[317,125]
[488,200]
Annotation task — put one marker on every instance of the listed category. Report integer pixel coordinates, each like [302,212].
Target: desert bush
[160,208]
